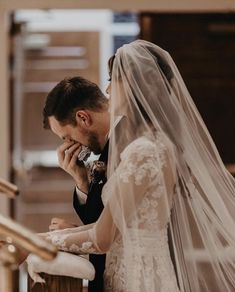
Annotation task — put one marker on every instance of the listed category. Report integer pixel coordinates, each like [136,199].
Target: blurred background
[48,46]
[43,46]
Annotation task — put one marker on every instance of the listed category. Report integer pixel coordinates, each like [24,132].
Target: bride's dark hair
[165,68]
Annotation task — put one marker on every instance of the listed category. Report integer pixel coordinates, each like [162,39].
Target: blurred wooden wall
[42,59]
[203,47]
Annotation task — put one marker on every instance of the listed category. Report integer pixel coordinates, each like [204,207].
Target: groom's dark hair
[70,95]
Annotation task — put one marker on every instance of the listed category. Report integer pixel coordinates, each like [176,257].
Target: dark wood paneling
[203,47]
[55,284]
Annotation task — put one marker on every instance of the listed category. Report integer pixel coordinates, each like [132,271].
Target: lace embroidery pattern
[146,263]
[60,241]
[142,158]
[149,262]
[57,239]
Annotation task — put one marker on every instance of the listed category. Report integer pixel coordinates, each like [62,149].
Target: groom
[77,111]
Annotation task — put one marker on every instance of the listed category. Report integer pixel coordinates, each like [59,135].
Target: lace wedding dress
[146,261]
[153,270]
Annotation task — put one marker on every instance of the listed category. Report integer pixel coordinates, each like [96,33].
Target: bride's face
[117,91]
[119,100]
[108,89]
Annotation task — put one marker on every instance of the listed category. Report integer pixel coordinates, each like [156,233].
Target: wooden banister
[26,239]
[18,238]
[8,188]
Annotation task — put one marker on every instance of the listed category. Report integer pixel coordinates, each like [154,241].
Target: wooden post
[6,279]
[55,284]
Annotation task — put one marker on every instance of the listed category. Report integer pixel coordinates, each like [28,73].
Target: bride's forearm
[69,230]
[84,227]
[76,229]
[79,242]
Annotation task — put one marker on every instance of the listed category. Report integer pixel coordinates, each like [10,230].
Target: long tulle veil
[149,93]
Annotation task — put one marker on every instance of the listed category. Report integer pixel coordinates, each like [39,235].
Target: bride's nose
[108,89]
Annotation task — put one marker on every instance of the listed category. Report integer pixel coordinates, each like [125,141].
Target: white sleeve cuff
[81,196]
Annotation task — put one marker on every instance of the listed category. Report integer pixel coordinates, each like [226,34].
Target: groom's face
[76,133]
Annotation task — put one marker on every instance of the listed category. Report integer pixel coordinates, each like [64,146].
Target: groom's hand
[58,223]
[67,156]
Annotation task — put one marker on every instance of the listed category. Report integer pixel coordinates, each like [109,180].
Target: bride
[165,180]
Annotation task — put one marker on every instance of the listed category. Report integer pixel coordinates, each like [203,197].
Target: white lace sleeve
[74,242]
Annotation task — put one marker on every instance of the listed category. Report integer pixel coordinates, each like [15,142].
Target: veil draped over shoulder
[149,93]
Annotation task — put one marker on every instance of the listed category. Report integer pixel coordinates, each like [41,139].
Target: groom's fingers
[53,227]
[74,158]
[54,223]
[56,220]
[69,152]
[61,226]
[58,223]
[61,150]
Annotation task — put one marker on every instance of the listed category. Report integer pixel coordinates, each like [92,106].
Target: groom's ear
[83,118]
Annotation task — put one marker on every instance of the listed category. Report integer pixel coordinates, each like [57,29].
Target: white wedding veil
[148,92]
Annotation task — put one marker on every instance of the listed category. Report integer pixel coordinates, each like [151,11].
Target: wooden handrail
[26,239]
[18,237]
[8,188]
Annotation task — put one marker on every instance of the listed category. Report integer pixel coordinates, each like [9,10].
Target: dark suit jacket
[89,213]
